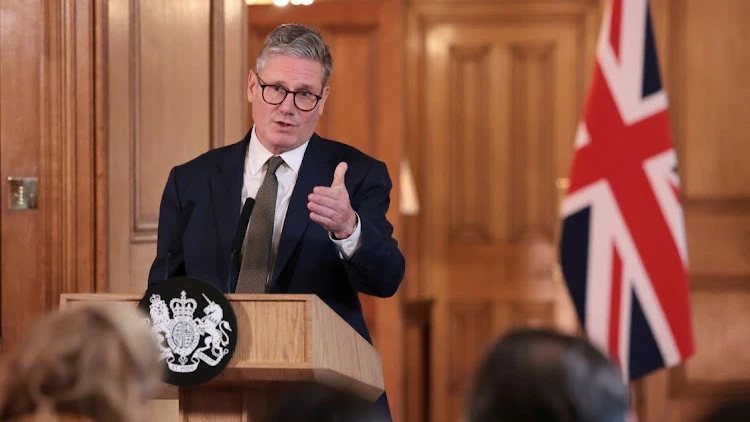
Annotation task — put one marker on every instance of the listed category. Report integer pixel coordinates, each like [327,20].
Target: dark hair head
[731,410]
[538,375]
[312,402]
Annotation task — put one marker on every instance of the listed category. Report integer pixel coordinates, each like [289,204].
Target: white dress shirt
[255,172]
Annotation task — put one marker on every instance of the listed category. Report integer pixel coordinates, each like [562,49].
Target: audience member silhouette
[730,410]
[537,375]
[314,402]
[88,363]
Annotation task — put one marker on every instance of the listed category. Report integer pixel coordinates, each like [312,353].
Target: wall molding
[74,149]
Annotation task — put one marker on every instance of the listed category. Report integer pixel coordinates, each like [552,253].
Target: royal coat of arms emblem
[194,347]
[183,332]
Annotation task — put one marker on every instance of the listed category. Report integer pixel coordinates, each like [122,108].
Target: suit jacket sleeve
[169,261]
[377,267]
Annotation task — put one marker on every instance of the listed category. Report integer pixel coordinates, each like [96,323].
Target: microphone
[239,235]
[235,259]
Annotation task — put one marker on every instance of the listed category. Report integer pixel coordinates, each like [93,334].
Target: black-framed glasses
[276,94]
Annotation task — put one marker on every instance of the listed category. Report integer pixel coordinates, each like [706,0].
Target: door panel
[175,91]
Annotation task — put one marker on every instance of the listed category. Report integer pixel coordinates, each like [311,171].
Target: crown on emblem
[156,304]
[183,307]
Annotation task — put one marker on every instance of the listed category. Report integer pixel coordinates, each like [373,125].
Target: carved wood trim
[496,13]
[465,227]
[101,118]
[677,81]
[478,316]
[74,155]
[717,204]
[216,47]
[706,283]
[679,386]
[144,226]
[533,314]
[520,226]
[682,388]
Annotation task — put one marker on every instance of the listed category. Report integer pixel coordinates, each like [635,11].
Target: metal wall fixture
[23,193]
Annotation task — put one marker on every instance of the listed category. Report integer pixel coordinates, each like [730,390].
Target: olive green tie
[255,270]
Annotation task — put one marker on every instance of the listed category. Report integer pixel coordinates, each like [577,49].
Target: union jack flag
[623,250]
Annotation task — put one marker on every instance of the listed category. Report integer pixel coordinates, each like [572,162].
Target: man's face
[284,127]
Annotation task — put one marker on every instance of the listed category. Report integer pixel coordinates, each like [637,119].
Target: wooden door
[50,121]
[365,110]
[495,95]
[23,294]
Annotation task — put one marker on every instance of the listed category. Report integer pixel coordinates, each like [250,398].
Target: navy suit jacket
[200,211]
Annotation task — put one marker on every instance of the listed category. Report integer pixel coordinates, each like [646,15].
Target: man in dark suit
[318,222]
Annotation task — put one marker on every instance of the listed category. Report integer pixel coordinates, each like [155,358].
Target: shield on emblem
[184,336]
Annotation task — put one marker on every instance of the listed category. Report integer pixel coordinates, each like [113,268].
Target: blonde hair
[90,361]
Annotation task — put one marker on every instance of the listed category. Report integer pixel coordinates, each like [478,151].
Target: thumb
[338,175]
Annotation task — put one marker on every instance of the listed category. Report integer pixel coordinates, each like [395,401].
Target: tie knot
[274,163]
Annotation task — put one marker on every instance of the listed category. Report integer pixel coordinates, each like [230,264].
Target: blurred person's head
[537,375]
[102,363]
[312,402]
[289,87]
[730,410]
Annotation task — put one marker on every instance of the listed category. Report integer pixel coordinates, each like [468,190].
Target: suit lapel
[316,170]
[226,191]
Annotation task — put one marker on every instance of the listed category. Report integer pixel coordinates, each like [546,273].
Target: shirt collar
[257,155]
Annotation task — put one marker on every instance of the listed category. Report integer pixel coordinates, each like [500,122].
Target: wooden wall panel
[175,90]
[532,124]
[468,77]
[470,324]
[713,122]
[171,108]
[706,47]
[717,240]
[73,154]
[23,288]
[350,114]
[719,341]
[230,53]
[51,122]
[213,406]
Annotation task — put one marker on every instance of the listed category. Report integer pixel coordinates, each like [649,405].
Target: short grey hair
[296,40]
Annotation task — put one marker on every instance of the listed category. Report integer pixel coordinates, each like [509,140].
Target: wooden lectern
[283,339]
